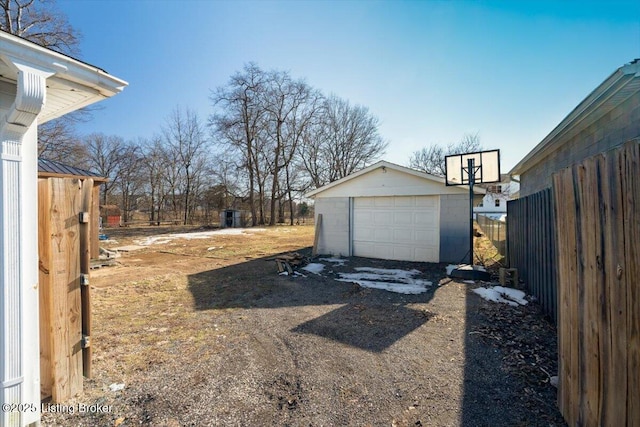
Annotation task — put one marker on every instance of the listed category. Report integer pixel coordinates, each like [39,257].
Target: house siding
[612,130]
[454,228]
[334,236]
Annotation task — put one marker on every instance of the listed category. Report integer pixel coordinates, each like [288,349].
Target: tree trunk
[186,196]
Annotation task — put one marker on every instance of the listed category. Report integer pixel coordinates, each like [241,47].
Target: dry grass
[146,318]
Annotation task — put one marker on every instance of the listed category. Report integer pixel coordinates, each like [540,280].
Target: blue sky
[431,71]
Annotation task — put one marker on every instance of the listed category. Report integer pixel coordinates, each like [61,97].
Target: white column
[19,333]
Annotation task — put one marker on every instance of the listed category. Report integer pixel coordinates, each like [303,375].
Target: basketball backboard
[486,167]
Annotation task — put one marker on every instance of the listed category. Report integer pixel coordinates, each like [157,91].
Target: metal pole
[472,177]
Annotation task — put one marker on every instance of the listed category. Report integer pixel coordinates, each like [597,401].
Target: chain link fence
[496,232]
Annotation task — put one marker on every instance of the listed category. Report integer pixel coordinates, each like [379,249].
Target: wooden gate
[598,223]
[65,315]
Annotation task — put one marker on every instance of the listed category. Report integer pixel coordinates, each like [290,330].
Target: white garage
[389,211]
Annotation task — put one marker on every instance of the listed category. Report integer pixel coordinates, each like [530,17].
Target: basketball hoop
[482,167]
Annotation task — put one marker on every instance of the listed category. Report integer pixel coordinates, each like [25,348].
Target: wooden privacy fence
[531,246]
[65,248]
[598,222]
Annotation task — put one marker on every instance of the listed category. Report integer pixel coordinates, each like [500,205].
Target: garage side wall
[334,233]
[454,228]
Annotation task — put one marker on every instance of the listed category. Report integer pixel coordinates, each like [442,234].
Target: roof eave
[96,83]
[581,115]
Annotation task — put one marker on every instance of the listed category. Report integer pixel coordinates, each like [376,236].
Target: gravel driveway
[240,345]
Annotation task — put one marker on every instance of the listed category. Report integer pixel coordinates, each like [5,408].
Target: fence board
[60,205]
[44,288]
[531,237]
[630,166]
[85,266]
[598,313]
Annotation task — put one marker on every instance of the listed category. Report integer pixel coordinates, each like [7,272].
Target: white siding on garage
[334,231]
[397,227]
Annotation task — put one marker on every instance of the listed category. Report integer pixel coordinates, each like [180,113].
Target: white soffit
[74,85]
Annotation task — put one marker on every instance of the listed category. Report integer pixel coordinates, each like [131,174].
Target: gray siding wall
[612,130]
[334,235]
[454,228]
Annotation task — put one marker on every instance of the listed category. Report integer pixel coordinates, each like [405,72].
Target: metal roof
[53,168]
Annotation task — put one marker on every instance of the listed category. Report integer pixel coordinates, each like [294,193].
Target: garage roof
[431,181]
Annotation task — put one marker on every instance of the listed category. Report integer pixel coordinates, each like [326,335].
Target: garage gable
[388,179]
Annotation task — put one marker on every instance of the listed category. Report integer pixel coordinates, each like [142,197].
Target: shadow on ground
[368,319]
[506,351]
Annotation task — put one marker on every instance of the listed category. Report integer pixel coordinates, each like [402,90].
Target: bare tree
[130,178]
[237,121]
[104,155]
[283,100]
[40,22]
[185,135]
[431,159]
[282,131]
[344,140]
[154,166]
[303,116]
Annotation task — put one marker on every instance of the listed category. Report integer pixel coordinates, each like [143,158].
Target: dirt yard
[204,332]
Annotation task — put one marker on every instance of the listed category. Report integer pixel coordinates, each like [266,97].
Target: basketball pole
[472,178]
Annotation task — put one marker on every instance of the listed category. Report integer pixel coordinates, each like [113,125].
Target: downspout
[19,329]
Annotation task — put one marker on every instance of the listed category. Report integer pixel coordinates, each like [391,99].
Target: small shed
[68,235]
[111,215]
[231,218]
[390,211]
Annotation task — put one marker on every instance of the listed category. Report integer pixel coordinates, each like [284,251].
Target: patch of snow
[315,268]
[400,281]
[471,267]
[399,288]
[116,387]
[166,238]
[452,267]
[513,297]
[339,261]
[469,282]
[513,294]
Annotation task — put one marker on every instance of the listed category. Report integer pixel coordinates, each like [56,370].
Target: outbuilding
[389,211]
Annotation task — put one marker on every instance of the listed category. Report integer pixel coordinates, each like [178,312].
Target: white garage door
[401,228]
